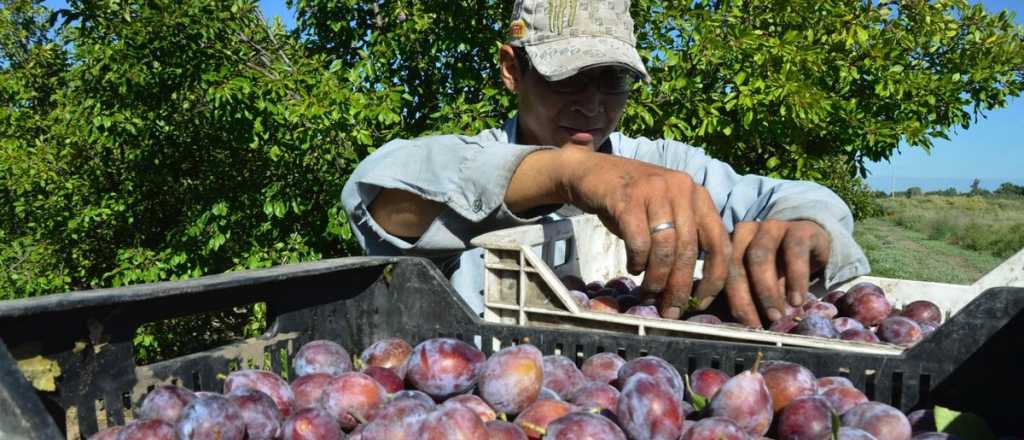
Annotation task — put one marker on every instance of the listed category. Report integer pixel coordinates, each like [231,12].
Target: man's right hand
[631,197]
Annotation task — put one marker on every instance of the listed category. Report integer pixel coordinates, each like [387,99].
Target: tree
[1009,189]
[914,191]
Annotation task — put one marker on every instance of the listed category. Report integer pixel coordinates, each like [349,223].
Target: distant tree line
[1006,189]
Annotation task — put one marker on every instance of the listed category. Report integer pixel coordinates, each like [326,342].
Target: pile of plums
[862,313]
[448,389]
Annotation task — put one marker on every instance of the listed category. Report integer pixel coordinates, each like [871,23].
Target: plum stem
[757,362]
[538,429]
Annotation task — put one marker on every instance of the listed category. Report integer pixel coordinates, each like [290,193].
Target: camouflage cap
[563,37]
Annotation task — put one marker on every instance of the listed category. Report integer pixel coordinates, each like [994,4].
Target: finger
[760,260]
[675,299]
[737,289]
[636,234]
[715,240]
[796,256]
[663,248]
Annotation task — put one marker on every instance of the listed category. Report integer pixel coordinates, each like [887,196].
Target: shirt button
[478,205]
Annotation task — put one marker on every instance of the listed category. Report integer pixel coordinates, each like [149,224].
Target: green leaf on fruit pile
[964,425]
[699,402]
[42,372]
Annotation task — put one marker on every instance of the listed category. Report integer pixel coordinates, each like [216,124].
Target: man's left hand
[772,261]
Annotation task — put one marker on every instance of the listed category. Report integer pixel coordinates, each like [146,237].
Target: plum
[785,324]
[923,311]
[813,325]
[844,323]
[842,398]
[211,417]
[307,389]
[934,436]
[398,420]
[154,429]
[548,393]
[850,433]
[535,418]
[715,428]
[597,395]
[502,430]
[922,420]
[707,381]
[476,404]
[868,307]
[386,377]
[111,433]
[927,328]
[264,381]
[878,419]
[604,304]
[391,353]
[573,282]
[583,426]
[627,302]
[787,381]
[593,287]
[806,418]
[561,376]
[657,368]
[311,424]
[321,356]
[858,334]
[443,367]
[828,381]
[745,399]
[704,318]
[603,367]
[900,331]
[621,285]
[644,311]
[165,402]
[414,395]
[259,414]
[581,299]
[352,398]
[648,409]
[820,308]
[833,296]
[512,378]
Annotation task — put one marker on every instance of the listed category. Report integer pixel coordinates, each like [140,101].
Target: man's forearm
[535,183]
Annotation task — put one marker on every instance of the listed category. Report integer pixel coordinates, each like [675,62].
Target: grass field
[943,239]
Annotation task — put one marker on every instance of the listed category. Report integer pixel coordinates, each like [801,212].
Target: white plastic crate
[522,286]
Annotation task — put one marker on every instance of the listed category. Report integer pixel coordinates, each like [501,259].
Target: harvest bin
[972,362]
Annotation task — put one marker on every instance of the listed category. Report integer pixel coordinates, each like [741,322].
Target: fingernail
[673,313]
[706,302]
[773,314]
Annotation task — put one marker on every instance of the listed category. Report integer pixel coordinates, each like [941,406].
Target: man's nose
[589,101]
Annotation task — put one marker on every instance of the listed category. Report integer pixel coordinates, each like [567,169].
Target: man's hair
[522,59]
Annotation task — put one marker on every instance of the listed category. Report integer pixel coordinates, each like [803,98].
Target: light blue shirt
[470,174]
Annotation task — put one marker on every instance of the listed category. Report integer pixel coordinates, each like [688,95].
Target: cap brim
[560,59]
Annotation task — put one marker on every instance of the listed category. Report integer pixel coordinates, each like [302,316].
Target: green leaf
[963,425]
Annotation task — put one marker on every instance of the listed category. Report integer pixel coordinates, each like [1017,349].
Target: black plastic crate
[972,362]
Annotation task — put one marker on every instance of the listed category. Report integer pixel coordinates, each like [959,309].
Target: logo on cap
[557,12]
[518,29]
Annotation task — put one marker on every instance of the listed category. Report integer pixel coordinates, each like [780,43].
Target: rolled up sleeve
[468,175]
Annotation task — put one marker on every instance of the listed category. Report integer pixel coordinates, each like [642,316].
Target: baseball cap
[563,37]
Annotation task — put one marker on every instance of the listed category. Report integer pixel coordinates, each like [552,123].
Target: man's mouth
[581,135]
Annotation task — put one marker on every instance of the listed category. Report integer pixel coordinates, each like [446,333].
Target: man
[571,65]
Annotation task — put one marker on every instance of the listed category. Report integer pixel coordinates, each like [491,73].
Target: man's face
[579,111]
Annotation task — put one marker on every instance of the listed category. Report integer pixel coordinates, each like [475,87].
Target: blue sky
[992,149]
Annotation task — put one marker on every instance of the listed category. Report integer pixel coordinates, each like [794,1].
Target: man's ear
[511,73]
